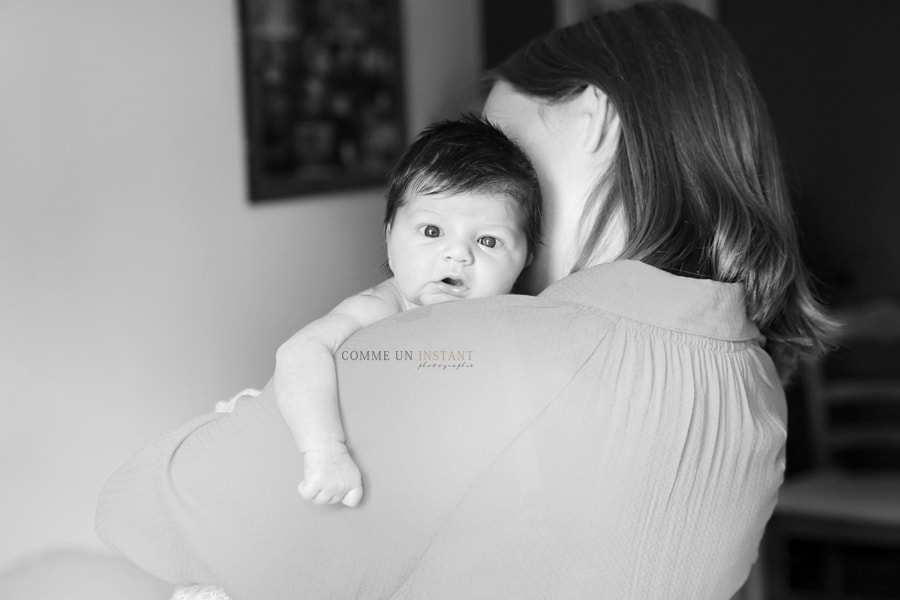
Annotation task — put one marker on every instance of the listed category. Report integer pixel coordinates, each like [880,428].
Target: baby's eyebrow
[424,211]
[509,229]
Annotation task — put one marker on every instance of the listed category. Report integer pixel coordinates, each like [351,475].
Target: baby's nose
[459,251]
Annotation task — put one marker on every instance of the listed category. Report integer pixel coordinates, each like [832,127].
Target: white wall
[137,285]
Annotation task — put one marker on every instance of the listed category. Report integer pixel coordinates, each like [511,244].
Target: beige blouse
[619,436]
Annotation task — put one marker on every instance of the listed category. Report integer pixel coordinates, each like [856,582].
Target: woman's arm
[512,447]
[215,502]
[306,390]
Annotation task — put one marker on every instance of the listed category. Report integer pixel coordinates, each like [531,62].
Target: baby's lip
[452,284]
[454,281]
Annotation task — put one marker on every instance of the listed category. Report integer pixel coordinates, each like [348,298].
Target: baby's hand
[330,477]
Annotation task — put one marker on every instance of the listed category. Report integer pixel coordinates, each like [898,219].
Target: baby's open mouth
[452,281]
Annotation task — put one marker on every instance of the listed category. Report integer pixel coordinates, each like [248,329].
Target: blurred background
[139,284]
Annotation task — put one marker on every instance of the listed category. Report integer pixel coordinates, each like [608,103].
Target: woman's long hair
[697,178]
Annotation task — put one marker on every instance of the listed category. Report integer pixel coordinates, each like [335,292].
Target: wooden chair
[845,499]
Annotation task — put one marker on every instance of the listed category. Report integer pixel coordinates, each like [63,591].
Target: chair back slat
[868,440]
[853,397]
[854,392]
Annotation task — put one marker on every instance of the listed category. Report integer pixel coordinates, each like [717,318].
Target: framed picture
[572,11]
[323,94]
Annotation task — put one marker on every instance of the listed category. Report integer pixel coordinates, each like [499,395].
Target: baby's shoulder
[375,303]
[388,293]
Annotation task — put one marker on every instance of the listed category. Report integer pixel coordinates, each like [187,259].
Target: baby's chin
[443,299]
[438,299]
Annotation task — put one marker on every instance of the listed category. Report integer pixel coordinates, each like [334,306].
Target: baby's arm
[306,390]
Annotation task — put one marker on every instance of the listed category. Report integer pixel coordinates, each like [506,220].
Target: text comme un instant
[384,355]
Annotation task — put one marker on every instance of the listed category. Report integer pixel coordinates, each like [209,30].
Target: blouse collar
[643,293]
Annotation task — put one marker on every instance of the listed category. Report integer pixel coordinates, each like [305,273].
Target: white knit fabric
[200,592]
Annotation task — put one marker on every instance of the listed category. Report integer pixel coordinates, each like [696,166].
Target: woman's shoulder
[643,293]
[503,328]
[486,315]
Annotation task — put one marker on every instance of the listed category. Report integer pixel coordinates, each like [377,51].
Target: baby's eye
[431,231]
[488,241]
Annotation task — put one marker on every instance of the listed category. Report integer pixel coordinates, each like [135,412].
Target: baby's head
[463,213]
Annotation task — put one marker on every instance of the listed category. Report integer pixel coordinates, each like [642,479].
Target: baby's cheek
[501,285]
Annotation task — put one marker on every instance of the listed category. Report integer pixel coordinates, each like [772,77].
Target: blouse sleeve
[430,400]
[510,447]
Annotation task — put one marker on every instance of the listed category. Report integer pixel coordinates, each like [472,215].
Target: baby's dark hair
[467,155]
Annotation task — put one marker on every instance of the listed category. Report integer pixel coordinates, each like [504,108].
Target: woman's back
[640,460]
[649,474]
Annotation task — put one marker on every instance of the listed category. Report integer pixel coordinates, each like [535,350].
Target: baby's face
[452,246]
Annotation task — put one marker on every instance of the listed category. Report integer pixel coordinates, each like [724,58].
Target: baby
[462,221]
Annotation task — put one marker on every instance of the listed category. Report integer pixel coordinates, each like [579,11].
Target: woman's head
[686,175]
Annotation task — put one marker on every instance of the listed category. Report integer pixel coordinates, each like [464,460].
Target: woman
[691,178]
[620,435]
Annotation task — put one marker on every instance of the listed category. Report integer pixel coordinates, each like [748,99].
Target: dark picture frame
[323,94]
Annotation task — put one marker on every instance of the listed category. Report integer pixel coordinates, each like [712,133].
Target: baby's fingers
[309,490]
[326,497]
[321,494]
[315,493]
[353,497]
